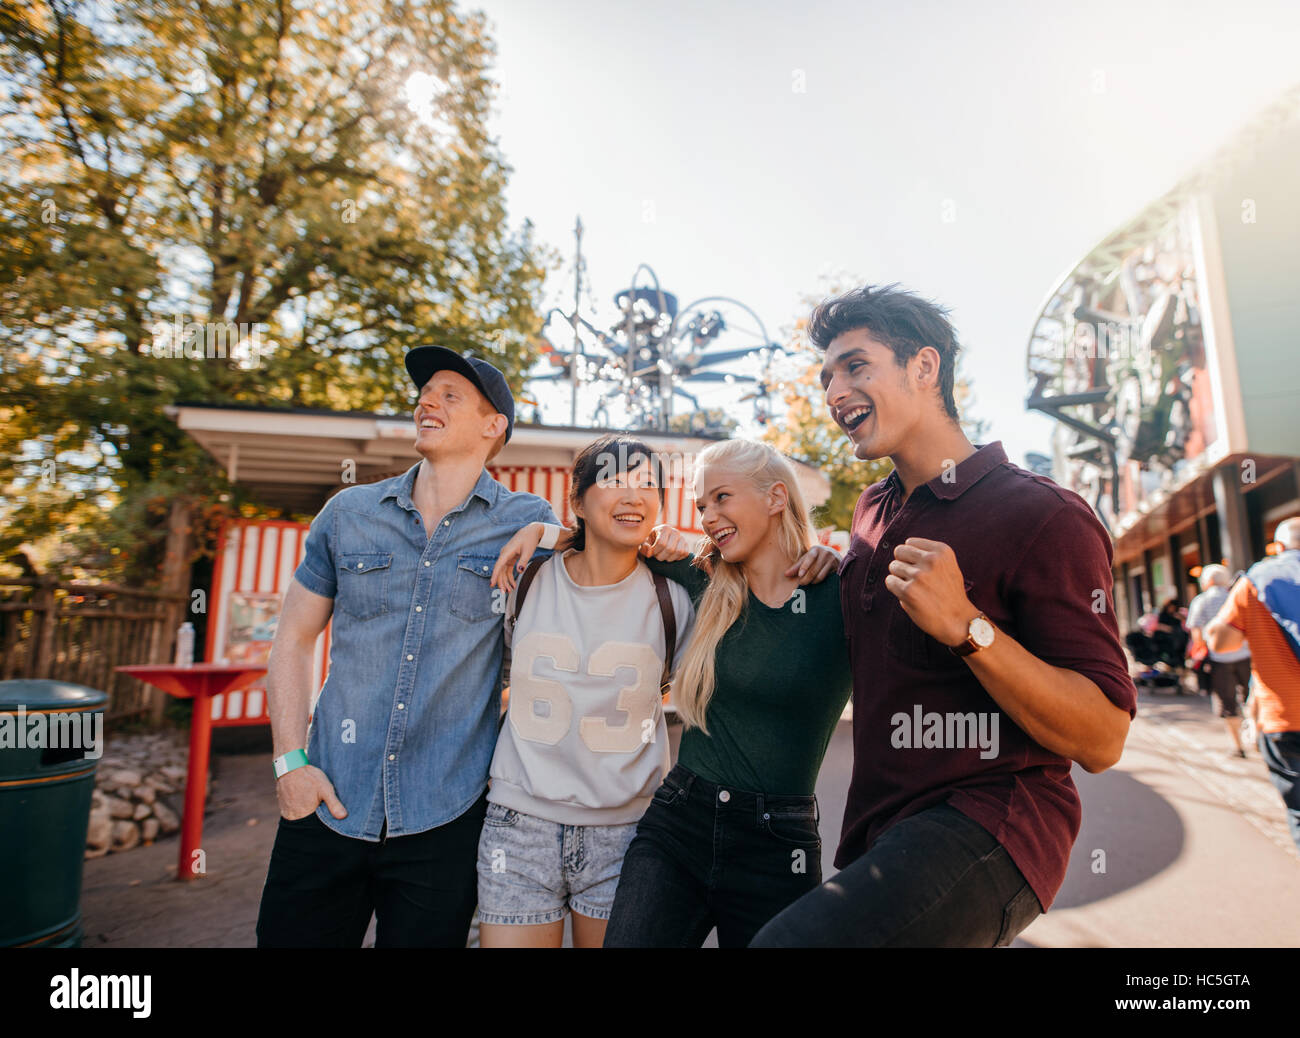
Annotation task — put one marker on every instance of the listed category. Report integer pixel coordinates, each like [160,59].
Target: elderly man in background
[1229,672]
[1264,607]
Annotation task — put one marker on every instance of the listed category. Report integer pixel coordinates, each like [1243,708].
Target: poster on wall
[251,629]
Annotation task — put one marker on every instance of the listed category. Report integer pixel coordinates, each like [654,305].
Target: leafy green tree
[289,194]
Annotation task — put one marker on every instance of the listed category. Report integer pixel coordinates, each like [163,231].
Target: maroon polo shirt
[1037,561]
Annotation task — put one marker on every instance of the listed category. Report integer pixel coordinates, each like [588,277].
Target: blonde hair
[727,595]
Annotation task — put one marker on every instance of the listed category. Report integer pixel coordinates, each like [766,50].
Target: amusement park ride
[655,351]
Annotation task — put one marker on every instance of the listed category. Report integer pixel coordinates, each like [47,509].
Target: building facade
[1169,356]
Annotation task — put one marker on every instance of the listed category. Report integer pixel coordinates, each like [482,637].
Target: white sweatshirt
[584,741]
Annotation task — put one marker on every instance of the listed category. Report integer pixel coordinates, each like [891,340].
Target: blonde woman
[730,838]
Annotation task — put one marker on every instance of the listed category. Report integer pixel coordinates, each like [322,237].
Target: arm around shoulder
[683,572]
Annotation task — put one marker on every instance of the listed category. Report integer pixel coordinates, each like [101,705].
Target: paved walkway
[1195,844]
[132,899]
[1197,851]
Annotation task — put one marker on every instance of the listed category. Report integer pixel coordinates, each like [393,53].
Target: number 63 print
[639,700]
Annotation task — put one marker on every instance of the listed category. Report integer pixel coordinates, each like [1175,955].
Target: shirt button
[360,565]
[426,562]
[485,569]
[419,609]
[401,706]
[392,756]
[446,522]
[409,656]
[724,796]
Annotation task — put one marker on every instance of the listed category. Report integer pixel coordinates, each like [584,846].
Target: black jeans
[321,888]
[1281,752]
[934,880]
[706,855]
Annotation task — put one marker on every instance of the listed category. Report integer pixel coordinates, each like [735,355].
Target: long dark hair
[609,456]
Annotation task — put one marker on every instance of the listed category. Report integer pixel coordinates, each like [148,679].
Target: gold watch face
[981,632]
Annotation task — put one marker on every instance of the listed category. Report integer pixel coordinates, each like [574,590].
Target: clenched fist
[927,581]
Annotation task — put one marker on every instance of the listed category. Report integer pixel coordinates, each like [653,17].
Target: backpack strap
[525,582]
[507,654]
[670,628]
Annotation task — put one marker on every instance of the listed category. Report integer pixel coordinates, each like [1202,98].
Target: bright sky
[752,148]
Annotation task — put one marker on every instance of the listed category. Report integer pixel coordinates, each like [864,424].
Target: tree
[709,421]
[808,433]
[232,200]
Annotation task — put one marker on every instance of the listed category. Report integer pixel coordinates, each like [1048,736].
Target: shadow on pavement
[1120,816]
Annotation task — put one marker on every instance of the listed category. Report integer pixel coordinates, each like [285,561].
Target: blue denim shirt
[406,721]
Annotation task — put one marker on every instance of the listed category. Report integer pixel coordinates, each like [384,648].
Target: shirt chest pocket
[363,583]
[912,645]
[472,598]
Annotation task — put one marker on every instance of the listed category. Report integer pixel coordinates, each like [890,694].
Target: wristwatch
[979,635]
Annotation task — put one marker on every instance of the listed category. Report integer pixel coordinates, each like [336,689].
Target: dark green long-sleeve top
[782,681]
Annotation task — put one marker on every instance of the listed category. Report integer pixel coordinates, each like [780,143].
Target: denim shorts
[533,871]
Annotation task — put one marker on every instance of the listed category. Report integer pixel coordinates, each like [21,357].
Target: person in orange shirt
[1264,609]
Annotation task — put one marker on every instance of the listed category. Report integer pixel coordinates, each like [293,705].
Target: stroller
[1162,652]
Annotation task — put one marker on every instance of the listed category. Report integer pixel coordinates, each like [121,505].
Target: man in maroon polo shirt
[986,656]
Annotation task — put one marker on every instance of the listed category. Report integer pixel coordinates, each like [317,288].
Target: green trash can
[50,744]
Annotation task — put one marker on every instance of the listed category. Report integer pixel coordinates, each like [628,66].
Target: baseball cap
[423,362]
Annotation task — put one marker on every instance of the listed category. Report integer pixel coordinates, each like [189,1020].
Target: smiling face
[876,401]
[621,508]
[738,516]
[453,419]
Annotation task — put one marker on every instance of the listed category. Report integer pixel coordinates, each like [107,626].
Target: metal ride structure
[1117,357]
[1118,354]
[656,350]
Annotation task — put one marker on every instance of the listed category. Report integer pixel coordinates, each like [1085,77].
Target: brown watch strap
[968,646]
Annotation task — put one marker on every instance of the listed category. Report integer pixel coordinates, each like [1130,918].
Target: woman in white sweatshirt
[584,744]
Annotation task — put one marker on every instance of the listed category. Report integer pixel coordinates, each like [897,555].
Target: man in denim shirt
[385,818]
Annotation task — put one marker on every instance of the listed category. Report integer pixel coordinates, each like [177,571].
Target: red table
[200,682]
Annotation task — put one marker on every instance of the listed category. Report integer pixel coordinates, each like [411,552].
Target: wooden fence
[80,631]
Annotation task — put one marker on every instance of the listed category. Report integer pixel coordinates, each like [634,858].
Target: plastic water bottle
[185,645]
